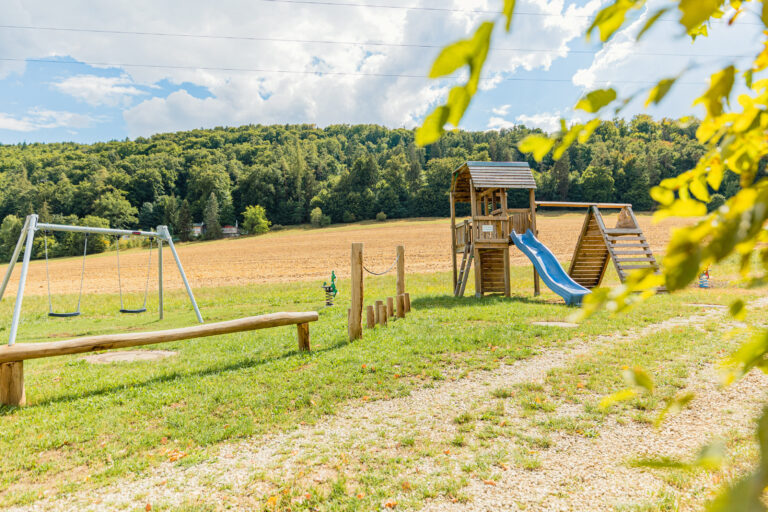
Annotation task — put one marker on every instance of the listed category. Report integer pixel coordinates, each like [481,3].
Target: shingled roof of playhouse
[482,175]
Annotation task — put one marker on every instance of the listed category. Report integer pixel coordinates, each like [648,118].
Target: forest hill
[351,173]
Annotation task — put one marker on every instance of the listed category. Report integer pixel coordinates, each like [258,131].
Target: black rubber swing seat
[140,310]
[64,315]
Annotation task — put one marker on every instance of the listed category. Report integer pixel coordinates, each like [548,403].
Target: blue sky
[92,71]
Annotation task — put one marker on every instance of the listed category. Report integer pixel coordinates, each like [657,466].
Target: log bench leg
[303,331]
[12,384]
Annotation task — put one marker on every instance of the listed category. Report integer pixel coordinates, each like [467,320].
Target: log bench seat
[12,357]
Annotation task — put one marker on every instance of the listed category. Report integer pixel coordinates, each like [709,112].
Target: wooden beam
[303,333]
[24,351]
[565,204]
[401,268]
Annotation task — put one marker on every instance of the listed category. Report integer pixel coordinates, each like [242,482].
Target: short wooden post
[377,310]
[390,307]
[407,302]
[356,315]
[370,317]
[12,384]
[303,331]
[400,270]
[382,313]
[401,305]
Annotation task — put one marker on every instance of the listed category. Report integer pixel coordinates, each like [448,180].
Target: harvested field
[300,254]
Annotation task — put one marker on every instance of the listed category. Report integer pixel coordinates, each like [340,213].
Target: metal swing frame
[31,225]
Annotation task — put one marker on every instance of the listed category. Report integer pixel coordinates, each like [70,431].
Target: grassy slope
[86,424]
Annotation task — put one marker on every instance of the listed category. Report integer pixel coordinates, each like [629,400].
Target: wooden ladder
[625,245]
[628,246]
[466,264]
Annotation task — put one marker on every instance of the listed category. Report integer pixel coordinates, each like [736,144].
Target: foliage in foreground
[735,141]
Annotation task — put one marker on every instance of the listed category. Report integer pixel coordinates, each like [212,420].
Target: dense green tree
[184,224]
[114,207]
[211,217]
[255,220]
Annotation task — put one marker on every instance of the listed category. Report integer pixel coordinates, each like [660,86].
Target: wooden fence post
[401,305]
[390,307]
[377,310]
[382,313]
[370,317]
[407,302]
[400,270]
[356,307]
[12,384]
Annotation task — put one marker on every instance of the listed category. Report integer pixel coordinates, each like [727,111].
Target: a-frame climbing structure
[625,245]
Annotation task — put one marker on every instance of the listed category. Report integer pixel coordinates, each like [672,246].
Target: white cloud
[499,123]
[38,118]
[502,110]
[549,122]
[100,90]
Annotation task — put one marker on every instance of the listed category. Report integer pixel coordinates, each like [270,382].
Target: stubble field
[303,255]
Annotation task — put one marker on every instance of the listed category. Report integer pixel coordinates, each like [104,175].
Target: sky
[88,70]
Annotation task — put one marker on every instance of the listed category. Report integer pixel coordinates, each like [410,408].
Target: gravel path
[577,473]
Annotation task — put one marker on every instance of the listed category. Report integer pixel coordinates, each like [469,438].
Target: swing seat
[64,315]
[140,310]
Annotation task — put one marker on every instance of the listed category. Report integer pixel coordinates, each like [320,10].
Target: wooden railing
[490,229]
[520,220]
[463,235]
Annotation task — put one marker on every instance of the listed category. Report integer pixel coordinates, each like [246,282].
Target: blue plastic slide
[550,270]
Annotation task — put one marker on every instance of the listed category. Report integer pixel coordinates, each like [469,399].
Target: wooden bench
[12,357]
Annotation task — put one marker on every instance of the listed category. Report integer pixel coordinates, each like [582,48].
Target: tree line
[300,173]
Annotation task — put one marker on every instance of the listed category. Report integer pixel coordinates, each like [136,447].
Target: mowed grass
[88,424]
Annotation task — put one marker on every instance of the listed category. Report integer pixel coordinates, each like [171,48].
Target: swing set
[31,225]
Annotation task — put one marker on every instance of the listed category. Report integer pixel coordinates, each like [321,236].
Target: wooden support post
[356,307]
[382,313]
[303,331]
[401,306]
[401,269]
[532,198]
[370,317]
[453,240]
[407,302]
[390,307]
[12,384]
[377,308]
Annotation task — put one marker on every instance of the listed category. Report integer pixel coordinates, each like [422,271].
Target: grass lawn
[87,424]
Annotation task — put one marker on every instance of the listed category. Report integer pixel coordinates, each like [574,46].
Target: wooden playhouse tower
[484,238]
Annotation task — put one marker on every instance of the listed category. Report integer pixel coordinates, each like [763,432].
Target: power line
[334,42]
[334,3]
[308,72]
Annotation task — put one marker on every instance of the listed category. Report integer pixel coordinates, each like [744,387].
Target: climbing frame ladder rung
[625,245]
[466,264]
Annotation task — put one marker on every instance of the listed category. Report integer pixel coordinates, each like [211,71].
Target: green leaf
[699,190]
[596,100]
[659,91]
[719,91]
[481,44]
[539,145]
[738,309]
[674,406]
[589,129]
[663,196]
[509,8]
[696,12]
[764,14]
[638,378]
[451,58]
[652,21]
[619,396]
[458,101]
[433,127]
[612,17]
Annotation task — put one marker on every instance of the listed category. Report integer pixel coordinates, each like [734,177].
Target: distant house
[197,229]
[230,231]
